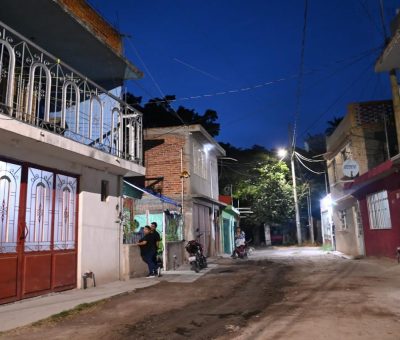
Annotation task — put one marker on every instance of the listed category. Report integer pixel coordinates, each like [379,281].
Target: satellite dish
[227,190]
[350,168]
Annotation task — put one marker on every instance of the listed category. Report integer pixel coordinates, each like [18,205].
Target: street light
[282,153]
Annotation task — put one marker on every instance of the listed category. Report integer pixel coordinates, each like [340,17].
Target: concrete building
[366,135]
[185,157]
[62,159]
[378,189]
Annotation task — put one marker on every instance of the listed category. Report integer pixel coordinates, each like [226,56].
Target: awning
[375,174]
[54,28]
[154,194]
[209,200]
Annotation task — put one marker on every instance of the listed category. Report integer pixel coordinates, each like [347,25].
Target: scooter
[196,258]
[242,251]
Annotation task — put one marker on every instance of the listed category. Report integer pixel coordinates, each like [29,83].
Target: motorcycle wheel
[205,265]
[194,267]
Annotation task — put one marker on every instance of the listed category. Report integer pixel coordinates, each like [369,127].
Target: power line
[308,159]
[301,70]
[336,100]
[168,108]
[311,170]
[367,12]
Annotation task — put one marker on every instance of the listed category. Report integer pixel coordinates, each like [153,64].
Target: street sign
[350,168]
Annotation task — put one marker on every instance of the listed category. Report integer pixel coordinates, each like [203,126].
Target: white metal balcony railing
[41,90]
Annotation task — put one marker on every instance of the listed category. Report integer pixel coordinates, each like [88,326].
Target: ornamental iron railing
[41,90]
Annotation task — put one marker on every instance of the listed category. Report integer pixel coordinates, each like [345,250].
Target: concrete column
[396,102]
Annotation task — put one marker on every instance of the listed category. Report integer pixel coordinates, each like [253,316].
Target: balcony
[40,90]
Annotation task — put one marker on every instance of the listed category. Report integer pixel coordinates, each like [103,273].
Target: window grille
[343,220]
[378,211]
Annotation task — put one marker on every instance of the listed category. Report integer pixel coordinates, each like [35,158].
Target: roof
[194,128]
[61,32]
[381,171]
[390,57]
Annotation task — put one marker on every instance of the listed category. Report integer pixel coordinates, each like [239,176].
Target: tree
[269,190]
[158,112]
[332,125]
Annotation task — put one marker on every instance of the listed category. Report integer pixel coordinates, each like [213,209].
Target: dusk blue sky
[195,48]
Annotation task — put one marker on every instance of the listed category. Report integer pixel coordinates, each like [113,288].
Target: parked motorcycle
[196,258]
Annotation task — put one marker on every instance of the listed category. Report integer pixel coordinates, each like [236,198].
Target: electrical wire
[342,94]
[308,159]
[301,70]
[315,172]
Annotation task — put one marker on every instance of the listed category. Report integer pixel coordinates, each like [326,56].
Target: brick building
[366,135]
[182,163]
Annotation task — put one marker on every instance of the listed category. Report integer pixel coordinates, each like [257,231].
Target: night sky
[234,51]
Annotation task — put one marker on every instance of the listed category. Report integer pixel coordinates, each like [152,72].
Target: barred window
[343,219]
[378,210]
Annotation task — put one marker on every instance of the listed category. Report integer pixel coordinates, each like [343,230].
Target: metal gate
[202,222]
[38,225]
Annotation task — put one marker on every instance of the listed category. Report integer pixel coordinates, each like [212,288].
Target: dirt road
[278,294]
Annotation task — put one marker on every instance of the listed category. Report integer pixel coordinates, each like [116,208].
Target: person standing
[158,247]
[157,237]
[148,248]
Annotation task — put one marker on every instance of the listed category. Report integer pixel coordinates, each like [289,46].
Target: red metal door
[37,253]
[10,249]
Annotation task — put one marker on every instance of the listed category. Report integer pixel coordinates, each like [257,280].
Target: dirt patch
[290,297]
[222,301]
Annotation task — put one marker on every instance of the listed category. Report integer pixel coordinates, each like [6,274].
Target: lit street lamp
[282,154]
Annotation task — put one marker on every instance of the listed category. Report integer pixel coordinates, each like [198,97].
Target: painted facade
[61,157]
[186,158]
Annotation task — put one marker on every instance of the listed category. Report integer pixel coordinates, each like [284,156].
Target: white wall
[99,237]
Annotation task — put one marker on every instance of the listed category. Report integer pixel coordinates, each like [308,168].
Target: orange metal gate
[38,227]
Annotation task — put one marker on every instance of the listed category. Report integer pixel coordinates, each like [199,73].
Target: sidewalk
[27,311]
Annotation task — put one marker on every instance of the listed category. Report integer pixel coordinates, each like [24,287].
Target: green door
[227,238]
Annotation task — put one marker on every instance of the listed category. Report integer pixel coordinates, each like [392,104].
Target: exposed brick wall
[95,22]
[165,160]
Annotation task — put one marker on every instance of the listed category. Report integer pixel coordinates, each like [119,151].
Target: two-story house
[378,190]
[365,135]
[186,157]
[62,159]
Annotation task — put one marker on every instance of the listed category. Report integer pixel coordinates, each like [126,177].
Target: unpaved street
[287,293]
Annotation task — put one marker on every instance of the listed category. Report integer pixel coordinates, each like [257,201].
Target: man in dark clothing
[157,237]
[148,249]
[157,240]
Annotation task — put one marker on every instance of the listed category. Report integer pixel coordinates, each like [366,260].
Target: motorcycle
[196,258]
[242,251]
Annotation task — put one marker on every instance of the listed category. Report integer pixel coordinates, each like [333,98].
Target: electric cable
[315,172]
[300,78]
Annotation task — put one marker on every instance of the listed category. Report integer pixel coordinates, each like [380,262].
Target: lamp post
[282,154]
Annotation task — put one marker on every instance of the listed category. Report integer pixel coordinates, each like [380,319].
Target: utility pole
[310,217]
[296,203]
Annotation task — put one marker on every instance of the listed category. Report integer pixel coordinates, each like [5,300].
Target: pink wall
[382,242]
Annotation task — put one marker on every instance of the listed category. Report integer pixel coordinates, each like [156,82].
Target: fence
[39,89]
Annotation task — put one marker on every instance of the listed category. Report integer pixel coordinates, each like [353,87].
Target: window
[378,210]
[104,190]
[199,160]
[334,170]
[342,219]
